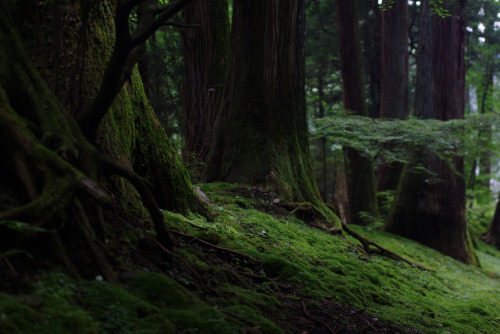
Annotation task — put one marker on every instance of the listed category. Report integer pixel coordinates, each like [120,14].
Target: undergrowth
[277,264]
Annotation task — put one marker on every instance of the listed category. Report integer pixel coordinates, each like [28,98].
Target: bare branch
[166,13]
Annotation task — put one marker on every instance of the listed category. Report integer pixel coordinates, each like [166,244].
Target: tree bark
[394,81]
[205,54]
[361,178]
[430,207]
[61,176]
[492,236]
[260,135]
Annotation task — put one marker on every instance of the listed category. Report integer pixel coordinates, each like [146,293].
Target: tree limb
[126,53]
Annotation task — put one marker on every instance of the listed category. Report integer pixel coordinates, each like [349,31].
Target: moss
[279,266]
[48,308]
[155,304]
[117,311]
[256,320]
[160,290]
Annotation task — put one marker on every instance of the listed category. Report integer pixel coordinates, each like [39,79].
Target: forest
[249,166]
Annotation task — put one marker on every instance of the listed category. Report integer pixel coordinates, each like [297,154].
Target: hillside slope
[253,268]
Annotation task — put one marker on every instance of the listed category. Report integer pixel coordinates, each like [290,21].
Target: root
[147,197]
[307,208]
[96,253]
[380,250]
[206,243]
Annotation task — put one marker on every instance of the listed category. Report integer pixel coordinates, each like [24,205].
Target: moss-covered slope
[248,271]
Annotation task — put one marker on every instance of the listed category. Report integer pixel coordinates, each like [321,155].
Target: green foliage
[437,6]
[164,59]
[387,141]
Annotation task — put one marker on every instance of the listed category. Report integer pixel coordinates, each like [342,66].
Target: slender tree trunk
[321,114]
[206,42]
[486,133]
[372,38]
[431,208]
[260,135]
[361,178]
[394,81]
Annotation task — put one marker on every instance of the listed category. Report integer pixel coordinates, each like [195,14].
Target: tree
[361,179]
[260,133]
[430,207]
[58,158]
[322,83]
[394,81]
[206,40]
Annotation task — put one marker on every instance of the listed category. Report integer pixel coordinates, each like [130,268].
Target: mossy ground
[288,264]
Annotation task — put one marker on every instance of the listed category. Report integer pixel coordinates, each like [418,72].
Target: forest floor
[254,268]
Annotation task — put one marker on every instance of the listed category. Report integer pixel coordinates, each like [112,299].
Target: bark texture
[431,208]
[394,81]
[206,43]
[260,135]
[51,175]
[72,54]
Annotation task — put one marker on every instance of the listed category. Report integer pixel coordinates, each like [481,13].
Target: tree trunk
[361,178]
[492,236]
[394,81]
[431,208]
[260,135]
[322,140]
[55,178]
[205,53]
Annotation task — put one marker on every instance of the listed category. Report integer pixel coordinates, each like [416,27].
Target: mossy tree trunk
[430,207]
[260,135]
[394,81]
[54,177]
[363,206]
[206,43]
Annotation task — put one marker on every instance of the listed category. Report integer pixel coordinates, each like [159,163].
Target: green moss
[279,266]
[299,263]
[255,319]
[160,290]
[48,308]
[117,311]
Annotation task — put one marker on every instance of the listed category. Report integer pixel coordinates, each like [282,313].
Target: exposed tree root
[307,208]
[147,197]
[380,250]
[89,236]
[214,246]
[319,321]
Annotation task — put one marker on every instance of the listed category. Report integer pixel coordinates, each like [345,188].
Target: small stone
[276,201]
